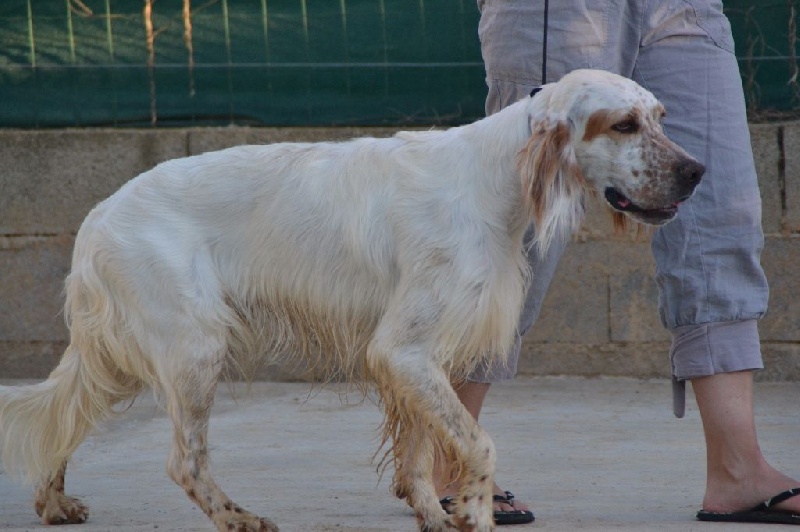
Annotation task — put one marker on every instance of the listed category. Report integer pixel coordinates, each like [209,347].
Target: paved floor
[598,454]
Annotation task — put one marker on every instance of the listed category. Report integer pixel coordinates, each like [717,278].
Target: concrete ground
[598,454]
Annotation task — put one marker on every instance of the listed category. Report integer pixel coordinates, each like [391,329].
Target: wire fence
[293,62]
[766,46]
[88,62]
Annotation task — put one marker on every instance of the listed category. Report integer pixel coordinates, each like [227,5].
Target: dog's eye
[626,127]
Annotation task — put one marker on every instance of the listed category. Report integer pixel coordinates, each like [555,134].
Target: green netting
[300,62]
[766,46]
[289,62]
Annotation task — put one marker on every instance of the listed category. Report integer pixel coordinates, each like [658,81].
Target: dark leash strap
[544,42]
[544,48]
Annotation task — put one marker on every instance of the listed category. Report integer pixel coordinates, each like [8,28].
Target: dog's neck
[501,138]
[502,135]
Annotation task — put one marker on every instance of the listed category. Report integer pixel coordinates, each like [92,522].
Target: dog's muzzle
[687,173]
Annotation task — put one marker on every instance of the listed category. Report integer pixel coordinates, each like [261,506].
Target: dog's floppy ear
[552,182]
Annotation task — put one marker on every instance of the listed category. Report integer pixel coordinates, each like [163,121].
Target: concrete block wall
[599,317]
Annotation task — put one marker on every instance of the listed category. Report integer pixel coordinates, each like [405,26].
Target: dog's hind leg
[56,508]
[189,397]
[416,393]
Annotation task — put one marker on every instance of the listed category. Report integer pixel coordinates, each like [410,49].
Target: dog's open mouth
[620,202]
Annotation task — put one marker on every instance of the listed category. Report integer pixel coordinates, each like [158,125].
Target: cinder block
[765,140]
[51,179]
[640,360]
[780,259]
[29,360]
[781,362]
[32,272]
[791,150]
[633,294]
[575,309]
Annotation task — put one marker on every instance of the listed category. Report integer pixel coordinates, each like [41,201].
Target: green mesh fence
[765,32]
[290,62]
[169,62]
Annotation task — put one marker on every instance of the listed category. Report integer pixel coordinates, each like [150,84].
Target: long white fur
[399,260]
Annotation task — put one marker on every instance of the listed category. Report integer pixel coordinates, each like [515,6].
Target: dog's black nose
[689,171]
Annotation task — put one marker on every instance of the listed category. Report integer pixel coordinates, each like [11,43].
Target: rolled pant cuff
[710,348]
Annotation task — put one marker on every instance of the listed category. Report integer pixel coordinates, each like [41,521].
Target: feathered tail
[41,425]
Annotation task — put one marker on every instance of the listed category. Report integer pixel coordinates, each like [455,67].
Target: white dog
[399,261]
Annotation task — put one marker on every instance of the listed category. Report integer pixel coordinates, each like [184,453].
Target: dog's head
[598,131]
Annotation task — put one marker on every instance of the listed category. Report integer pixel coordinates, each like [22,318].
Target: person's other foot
[507,509]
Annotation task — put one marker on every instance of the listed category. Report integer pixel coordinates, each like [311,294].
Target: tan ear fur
[552,181]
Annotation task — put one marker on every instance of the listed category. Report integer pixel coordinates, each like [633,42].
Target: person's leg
[472,395]
[718,359]
[738,476]
[711,284]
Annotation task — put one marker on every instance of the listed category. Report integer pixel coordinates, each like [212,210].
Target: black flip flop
[515,517]
[762,513]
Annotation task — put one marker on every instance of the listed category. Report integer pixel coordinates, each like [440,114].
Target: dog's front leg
[416,396]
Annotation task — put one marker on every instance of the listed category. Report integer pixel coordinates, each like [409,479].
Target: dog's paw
[246,523]
[469,525]
[58,509]
[436,524]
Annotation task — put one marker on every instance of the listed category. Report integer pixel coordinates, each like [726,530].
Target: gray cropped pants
[712,288]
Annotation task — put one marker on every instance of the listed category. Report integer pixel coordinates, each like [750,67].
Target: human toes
[504,501]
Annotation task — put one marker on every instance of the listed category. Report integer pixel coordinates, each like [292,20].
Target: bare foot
[731,495]
[503,506]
